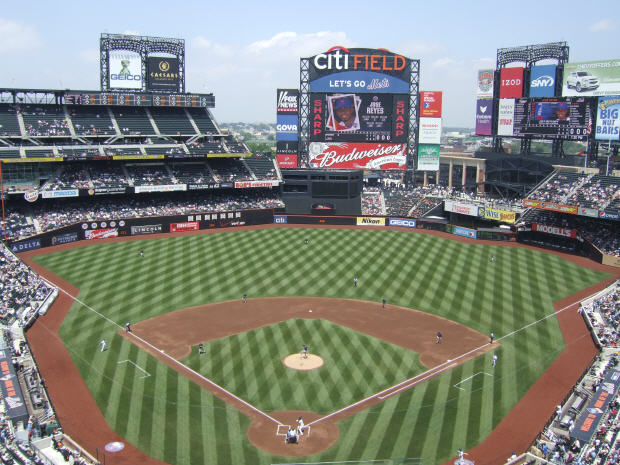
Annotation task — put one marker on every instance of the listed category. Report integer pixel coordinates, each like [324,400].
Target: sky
[243,51]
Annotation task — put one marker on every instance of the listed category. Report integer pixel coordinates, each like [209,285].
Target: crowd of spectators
[149,175]
[556,443]
[71,177]
[22,290]
[372,202]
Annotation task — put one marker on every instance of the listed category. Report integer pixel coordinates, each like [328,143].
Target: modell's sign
[357,155]
[556,231]
[287,100]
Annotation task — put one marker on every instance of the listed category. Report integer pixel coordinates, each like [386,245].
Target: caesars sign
[163,74]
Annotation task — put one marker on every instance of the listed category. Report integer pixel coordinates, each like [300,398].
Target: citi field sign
[359,70]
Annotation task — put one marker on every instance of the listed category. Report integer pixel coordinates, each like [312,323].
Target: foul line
[146,374]
[439,368]
[161,352]
[467,379]
[407,386]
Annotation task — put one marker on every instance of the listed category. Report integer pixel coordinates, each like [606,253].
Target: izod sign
[511,83]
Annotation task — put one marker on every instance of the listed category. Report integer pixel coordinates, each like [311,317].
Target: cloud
[17,37]
[603,25]
[291,44]
[418,48]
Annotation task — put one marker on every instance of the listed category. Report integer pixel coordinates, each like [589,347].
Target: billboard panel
[484,117]
[430,131]
[542,81]
[608,118]
[485,83]
[125,70]
[505,117]
[286,127]
[357,155]
[163,74]
[511,83]
[359,70]
[552,118]
[591,78]
[287,161]
[428,157]
[359,117]
[287,101]
[430,104]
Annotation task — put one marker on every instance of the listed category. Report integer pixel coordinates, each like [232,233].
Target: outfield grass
[173,420]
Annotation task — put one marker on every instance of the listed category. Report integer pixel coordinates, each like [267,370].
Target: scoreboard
[552,118]
[376,117]
[140,99]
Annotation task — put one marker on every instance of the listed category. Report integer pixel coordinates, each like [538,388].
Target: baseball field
[187,289]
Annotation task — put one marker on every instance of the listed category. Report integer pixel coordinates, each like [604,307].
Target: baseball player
[305,351]
[201,348]
[128,327]
[492,338]
[300,426]
[383,302]
[354,282]
[104,345]
[494,360]
[439,336]
[244,298]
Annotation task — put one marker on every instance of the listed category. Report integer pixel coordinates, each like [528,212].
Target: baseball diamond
[385,388]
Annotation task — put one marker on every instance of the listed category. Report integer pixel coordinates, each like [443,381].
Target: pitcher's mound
[299,362]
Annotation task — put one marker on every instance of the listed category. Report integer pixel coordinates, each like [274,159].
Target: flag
[589,122]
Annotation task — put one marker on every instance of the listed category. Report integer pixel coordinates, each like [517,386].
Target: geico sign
[342,60]
[399,222]
[126,77]
[286,127]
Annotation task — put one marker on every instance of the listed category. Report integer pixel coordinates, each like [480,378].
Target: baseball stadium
[360,296]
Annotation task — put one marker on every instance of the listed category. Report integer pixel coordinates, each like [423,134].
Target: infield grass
[173,420]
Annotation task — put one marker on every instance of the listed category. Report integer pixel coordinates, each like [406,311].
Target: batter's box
[471,377]
[146,374]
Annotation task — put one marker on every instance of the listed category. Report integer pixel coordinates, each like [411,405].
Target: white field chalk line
[467,379]
[146,374]
[172,359]
[452,365]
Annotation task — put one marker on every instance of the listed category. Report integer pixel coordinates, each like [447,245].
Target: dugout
[322,192]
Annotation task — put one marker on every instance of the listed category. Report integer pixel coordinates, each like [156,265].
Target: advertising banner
[125,70]
[250,184]
[186,226]
[11,390]
[107,190]
[609,215]
[428,157]
[608,118]
[368,221]
[485,83]
[359,117]
[591,78]
[146,229]
[360,82]
[587,423]
[100,233]
[163,74]
[557,207]
[511,83]
[498,215]
[484,117]
[461,208]
[552,118]
[555,230]
[65,238]
[286,127]
[506,117]
[161,188]
[430,131]
[31,195]
[430,103]
[194,187]
[60,193]
[287,101]
[280,219]
[346,155]
[542,81]
[465,232]
[403,222]
[22,246]
[287,161]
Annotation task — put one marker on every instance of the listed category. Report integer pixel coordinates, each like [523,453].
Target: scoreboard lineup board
[552,118]
[141,99]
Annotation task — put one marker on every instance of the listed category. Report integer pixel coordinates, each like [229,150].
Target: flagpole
[2,197]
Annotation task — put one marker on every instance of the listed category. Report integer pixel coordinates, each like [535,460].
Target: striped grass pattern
[173,420]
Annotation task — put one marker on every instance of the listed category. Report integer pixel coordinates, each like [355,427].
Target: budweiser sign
[347,155]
